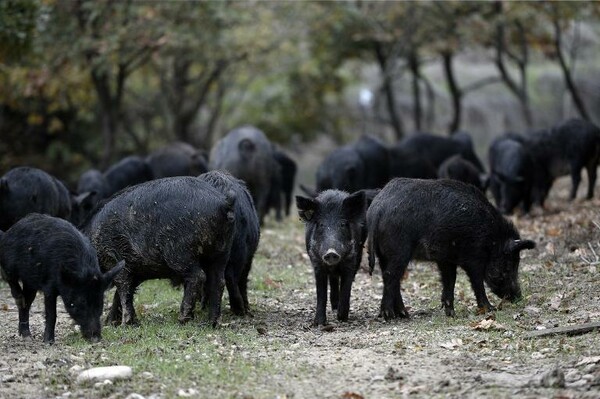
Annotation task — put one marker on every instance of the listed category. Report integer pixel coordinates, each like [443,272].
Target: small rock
[134,396]
[186,393]
[105,373]
[103,383]
[554,378]
[147,375]
[587,377]
[377,378]
[8,378]
[66,394]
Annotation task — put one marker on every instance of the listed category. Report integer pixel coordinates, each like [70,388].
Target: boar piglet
[179,228]
[48,254]
[450,223]
[245,239]
[335,234]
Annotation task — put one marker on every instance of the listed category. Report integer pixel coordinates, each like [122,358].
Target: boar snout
[331,257]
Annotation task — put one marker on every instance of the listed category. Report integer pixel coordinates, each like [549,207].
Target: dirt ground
[428,355]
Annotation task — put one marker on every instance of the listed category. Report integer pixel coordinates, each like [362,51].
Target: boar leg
[115,315]
[215,277]
[575,179]
[50,309]
[321,281]
[476,277]
[591,172]
[236,301]
[191,284]
[126,289]
[334,293]
[23,298]
[392,271]
[243,286]
[344,301]
[448,272]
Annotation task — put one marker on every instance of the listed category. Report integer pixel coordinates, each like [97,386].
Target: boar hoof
[317,322]
[450,312]
[185,319]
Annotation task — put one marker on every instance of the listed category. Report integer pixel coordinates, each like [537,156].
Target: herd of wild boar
[195,218]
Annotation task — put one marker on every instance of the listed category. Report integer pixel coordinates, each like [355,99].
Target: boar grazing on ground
[448,222]
[179,228]
[462,170]
[245,239]
[247,154]
[48,254]
[335,235]
[25,190]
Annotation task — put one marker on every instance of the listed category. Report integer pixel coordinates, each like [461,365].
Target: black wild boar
[511,174]
[405,163]
[25,190]
[566,148]
[462,170]
[448,222]
[129,171]
[177,159]
[247,154]
[437,149]
[179,228]
[93,181]
[48,254]
[375,156]
[335,235]
[245,239]
[343,169]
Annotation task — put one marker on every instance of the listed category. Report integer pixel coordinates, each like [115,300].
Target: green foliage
[17,22]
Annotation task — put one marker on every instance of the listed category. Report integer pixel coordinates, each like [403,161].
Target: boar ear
[519,245]
[109,276]
[306,207]
[355,205]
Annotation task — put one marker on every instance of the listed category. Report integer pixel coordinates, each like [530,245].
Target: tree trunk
[413,63]
[520,92]
[579,104]
[455,91]
[388,90]
[108,115]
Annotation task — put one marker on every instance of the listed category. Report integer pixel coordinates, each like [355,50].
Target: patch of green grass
[214,362]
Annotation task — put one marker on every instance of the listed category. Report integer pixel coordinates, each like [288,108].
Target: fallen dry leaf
[4,307]
[556,301]
[553,232]
[489,323]
[352,395]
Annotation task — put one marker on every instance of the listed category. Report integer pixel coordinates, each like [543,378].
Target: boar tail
[230,198]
